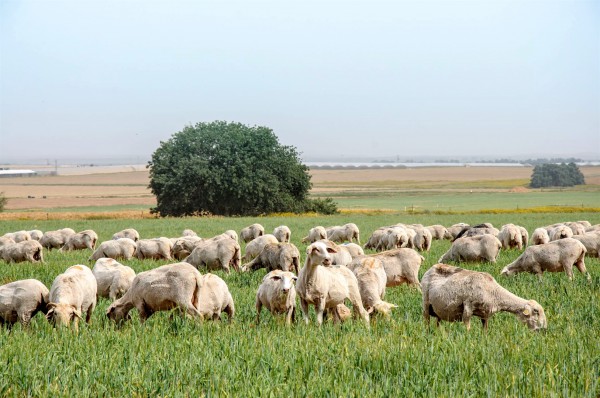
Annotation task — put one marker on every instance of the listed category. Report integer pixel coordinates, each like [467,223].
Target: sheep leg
[88,315]
[290,315]
[484,322]
[25,318]
[569,271]
[580,264]
[466,317]
[320,307]
[304,306]
[230,311]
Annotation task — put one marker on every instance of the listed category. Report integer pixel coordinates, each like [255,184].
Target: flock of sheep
[334,272]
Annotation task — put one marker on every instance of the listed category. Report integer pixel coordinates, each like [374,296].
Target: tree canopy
[229,169]
[556,175]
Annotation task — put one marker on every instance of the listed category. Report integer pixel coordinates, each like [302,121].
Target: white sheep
[112,277]
[278,294]
[72,293]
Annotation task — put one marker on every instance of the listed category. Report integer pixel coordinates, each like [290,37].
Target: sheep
[215,298]
[283,256]
[510,236]
[216,254]
[252,232]
[585,223]
[347,232]
[341,256]
[80,241]
[27,250]
[19,236]
[113,278]
[400,266]
[254,247]
[454,294]
[161,289]
[473,248]
[480,229]
[394,238]
[524,235]
[375,240]
[540,236]
[560,232]
[591,241]
[353,249]
[576,227]
[231,234]
[278,294]
[158,248]
[6,241]
[422,239]
[21,300]
[35,234]
[315,234]
[555,256]
[455,229]
[439,232]
[282,233]
[326,286]
[183,247]
[188,232]
[121,248]
[127,233]
[372,279]
[593,228]
[56,239]
[72,293]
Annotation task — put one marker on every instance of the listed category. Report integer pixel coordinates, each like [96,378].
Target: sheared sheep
[278,294]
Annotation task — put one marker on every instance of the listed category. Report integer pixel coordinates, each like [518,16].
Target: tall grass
[399,356]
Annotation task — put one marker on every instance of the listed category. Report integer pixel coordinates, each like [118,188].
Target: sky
[108,79]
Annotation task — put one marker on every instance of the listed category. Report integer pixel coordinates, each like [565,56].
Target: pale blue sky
[101,79]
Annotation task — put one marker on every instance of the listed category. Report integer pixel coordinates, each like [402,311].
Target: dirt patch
[519,190]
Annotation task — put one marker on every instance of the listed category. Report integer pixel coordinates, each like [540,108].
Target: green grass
[396,357]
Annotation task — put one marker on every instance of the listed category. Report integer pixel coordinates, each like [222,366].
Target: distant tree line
[3,201]
[556,175]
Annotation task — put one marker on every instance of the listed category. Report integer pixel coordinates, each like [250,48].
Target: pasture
[396,356]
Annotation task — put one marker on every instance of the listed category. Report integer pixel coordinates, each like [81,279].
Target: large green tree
[228,169]
[556,175]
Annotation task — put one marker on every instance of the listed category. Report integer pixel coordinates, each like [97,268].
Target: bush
[556,175]
[3,201]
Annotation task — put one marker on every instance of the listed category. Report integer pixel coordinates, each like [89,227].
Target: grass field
[397,357]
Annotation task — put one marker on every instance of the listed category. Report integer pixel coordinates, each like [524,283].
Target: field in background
[169,357]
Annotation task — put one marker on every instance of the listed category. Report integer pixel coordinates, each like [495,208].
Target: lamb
[278,294]
[121,248]
[591,241]
[347,232]
[252,232]
[21,300]
[215,298]
[454,294]
[161,289]
[19,236]
[56,239]
[556,256]
[372,279]
[127,233]
[510,237]
[27,250]
[183,247]
[158,248]
[400,266]
[439,232]
[560,232]
[216,254]
[36,234]
[540,236]
[473,248]
[80,241]
[326,286]
[254,248]
[72,293]
[113,278]
[315,234]
[283,256]
[282,233]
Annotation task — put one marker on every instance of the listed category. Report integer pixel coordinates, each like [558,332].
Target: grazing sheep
[252,232]
[354,249]
[576,227]
[401,266]
[454,294]
[158,248]
[80,241]
[347,232]
[278,294]
[188,232]
[19,236]
[315,234]
[35,234]
[282,233]
[394,238]
[56,239]
[254,247]
[127,233]
[560,232]
[72,293]
[161,289]
[21,300]
[375,240]
[283,256]
[5,241]
[591,241]
[510,237]
[120,248]
[326,286]
[231,234]
[27,250]
[480,229]
[112,277]
[556,256]
[473,248]
[585,223]
[216,254]
[183,247]
[439,232]
[371,279]
[524,235]
[456,229]
[540,236]
[593,228]
[422,239]
[215,298]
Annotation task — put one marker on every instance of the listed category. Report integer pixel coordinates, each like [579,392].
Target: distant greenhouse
[16,173]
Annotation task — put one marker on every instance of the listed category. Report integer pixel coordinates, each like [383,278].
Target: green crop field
[395,357]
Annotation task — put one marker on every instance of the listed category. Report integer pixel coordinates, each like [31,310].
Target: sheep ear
[77,314]
[331,250]
[526,311]
[275,277]
[51,306]
[49,314]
